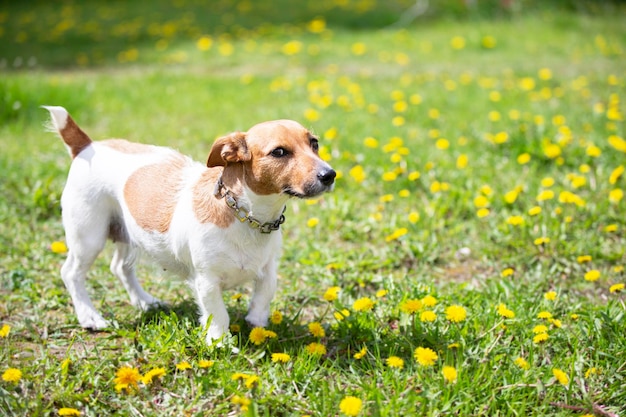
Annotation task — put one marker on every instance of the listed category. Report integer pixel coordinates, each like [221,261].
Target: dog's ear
[229,149]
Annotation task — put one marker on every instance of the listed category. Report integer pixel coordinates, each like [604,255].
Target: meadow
[470,260]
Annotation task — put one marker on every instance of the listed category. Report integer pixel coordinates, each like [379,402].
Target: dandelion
[425,356]
[505,312]
[523,159]
[276,317]
[540,329]
[312,222]
[616,174]
[152,374]
[583,258]
[533,211]
[456,313]
[65,411]
[350,406]
[449,374]
[541,241]
[340,315]
[204,43]
[280,358]
[315,349]
[381,293]
[488,42]
[358,48]
[242,402]
[483,212]
[357,173]
[550,295]
[522,363]
[292,48]
[370,142]
[591,371]
[610,228]
[618,143]
[58,247]
[410,306]
[507,272]
[515,220]
[395,362]
[361,353]
[252,381]
[429,301]
[4,330]
[12,375]
[457,42]
[183,366]
[316,329]
[363,304]
[544,315]
[616,288]
[592,275]
[204,363]
[560,376]
[258,335]
[428,316]
[616,195]
[126,378]
[540,338]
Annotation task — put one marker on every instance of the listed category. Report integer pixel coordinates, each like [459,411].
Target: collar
[243,214]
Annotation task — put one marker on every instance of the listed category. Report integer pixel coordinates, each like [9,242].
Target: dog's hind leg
[83,250]
[123,266]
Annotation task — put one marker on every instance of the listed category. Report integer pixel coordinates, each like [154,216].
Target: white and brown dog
[216,225]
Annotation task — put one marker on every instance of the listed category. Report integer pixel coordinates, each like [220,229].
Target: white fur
[210,257]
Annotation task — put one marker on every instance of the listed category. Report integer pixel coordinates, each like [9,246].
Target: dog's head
[277,157]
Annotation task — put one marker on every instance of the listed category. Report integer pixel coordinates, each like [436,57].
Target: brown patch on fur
[74,137]
[229,149]
[151,193]
[206,207]
[124,146]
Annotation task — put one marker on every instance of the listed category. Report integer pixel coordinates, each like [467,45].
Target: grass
[479,166]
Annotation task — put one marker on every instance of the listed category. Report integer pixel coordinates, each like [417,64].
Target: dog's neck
[264,208]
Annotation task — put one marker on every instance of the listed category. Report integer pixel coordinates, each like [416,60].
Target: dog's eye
[315,145]
[279,152]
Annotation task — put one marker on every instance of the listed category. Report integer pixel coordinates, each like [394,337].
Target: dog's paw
[148,303]
[94,322]
[255,320]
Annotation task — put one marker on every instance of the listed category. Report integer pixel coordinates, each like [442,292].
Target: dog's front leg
[212,308]
[264,289]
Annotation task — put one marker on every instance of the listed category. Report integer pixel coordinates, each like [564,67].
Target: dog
[216,225]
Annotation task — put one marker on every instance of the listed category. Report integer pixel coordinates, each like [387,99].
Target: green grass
[136,71]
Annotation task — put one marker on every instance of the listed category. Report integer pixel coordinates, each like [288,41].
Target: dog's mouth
[310,190]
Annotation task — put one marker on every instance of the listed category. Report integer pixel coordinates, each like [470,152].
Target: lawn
[470,260]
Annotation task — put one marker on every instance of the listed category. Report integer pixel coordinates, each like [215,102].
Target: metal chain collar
[242,214]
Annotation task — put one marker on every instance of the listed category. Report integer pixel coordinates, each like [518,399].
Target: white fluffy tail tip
[58,117]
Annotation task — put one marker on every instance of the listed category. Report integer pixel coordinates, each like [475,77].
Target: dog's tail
[61,122]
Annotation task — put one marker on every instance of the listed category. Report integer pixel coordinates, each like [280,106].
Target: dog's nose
[327,176]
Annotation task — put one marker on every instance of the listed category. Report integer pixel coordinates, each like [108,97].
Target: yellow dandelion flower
[545,195]
[483,212]
[515,220]
[540,329]
[481,201]
[152,374]
[457,42]
[544,315]
[616,288]
[488,42]
[350,406]
[357,173]
[312,222]
[4,331]
[449,374]
[505,312]
[66,411]
[358,48]
[591,371]
[126,378]
[429,301]
[389,176]
[616,195]
[410,306]
[252,381]
[316,329]
[454,345]
[204,43]
[315,349]
[617,143]
[462,161]
[425,356]
[592,275]
[239,376]
[58,247]
[204,363]
[428,316]
[332,293]
[583,258]
[242,402]
[363,304]
[616,174]
[550,295]
[544,240]
[522,363]
[12,375]
[276,317]
[381,293]
[610,228]
[292,48]
[183,366]
[556,322]
[258,335]
[395,362]
[507,272]
[414,217]
[361,353]
[280,358]
[370,142]
[533,211]
[523,159]
[456,313]
[540,338]
[560,376]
